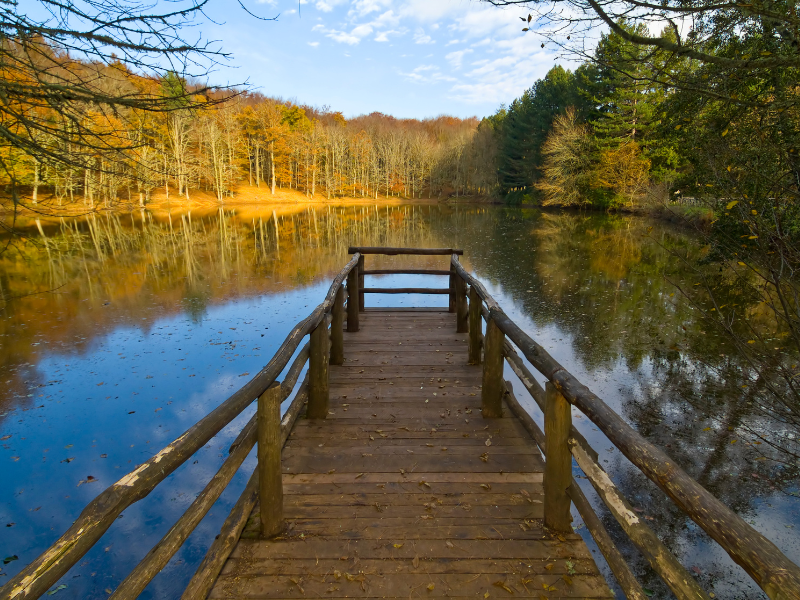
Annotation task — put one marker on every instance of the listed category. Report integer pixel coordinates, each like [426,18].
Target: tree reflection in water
[597,290]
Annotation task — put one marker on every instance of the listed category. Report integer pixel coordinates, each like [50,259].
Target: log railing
[451,290]
[778,576]
[266,427]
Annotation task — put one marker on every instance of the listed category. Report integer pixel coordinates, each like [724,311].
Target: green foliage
[526,123]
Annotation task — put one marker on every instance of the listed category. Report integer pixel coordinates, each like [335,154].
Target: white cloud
[328,5]
[361,8]
[313,44]
[451,42]
[455,58]
[420,37]
[427,74]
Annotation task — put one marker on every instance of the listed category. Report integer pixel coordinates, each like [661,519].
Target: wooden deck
[405,490]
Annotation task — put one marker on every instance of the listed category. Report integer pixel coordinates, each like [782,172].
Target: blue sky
[407,58]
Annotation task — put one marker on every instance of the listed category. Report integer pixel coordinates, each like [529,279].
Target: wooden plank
[397,477]
[406,272]
[376,290]
[548,548]
[419,499]
[406,481]
[406,585]
[408,251]
[426,564]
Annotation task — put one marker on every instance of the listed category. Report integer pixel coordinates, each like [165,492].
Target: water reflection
[121,330]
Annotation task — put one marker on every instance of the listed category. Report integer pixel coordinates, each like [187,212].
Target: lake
[120,331]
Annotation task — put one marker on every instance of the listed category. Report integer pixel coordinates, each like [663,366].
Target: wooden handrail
[155,560]
[203,579]
[405,291]
[778,576]
[396,251]
[616,562]
[406,272]
[95,519]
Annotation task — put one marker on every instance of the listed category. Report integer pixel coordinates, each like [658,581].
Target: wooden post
[270,482]
[474,327]
[361,283]
[453,275]
[337,329]
[318,373]
[462,312]
[492,387]
[558,465]
[352,300]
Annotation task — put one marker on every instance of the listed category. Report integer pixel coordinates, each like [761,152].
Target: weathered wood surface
[96,518]
[777,575]
[393,496]
[405,251]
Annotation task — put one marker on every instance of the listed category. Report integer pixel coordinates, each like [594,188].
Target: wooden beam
[270,481]
[558,466]
[406,272]
[616,562]
[203,579]
[360,283]
[337,329]
[451,304]
[40,575]
[318,389]
[462,312]
[474,327]
[405,291]
[657,554]
[492,385]
[395,251]
[352,300]
[778,576]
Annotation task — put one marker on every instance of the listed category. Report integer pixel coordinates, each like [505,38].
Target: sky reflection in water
[152,319]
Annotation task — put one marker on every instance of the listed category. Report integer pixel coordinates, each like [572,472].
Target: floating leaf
[9,559]
[58,589]
[731,204]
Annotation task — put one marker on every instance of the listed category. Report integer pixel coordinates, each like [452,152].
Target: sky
[406,58]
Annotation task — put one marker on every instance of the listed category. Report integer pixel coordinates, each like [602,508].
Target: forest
[214,140]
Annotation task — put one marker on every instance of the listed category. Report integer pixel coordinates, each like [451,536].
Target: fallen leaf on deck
[502,585]
[415,561]
[58,589]
[431,587]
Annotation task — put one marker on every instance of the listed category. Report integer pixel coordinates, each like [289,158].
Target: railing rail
[559,443]
[450,291]
[778,576]
[97,517]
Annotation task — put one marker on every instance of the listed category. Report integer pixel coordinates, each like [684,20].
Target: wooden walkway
[405,490]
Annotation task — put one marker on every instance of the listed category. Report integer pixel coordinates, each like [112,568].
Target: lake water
[120,331]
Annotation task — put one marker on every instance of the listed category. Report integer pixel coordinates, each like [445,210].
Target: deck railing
[265,427]
[559,443]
